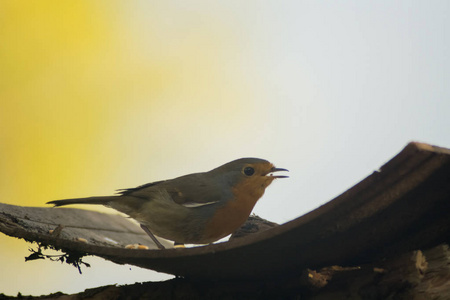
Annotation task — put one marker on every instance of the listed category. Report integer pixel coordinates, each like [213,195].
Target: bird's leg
[178,245]
[150,234]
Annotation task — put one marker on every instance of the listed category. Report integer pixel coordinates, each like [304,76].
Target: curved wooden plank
[402,207]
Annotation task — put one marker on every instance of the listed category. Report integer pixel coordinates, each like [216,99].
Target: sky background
[101,95]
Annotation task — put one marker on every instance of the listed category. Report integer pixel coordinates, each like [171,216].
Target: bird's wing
[135,190]
[192,190]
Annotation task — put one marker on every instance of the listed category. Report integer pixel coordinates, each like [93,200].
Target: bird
[198,208]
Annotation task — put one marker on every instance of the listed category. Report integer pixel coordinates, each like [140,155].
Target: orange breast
[230,217]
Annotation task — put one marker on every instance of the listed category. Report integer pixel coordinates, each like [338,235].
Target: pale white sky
[335,89]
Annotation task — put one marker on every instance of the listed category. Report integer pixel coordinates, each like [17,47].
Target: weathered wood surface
[99,229]
[402,207]
[415,275]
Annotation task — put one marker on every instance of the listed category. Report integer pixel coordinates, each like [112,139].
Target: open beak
[277,170]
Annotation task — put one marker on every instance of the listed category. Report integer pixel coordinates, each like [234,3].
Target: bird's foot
[177,245]
[154,239]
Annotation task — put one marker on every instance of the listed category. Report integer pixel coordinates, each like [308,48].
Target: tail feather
[90,200]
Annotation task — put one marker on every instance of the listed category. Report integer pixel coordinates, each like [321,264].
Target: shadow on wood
[414,275]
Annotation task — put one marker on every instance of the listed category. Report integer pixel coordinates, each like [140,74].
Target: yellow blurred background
[85,90]
[97,96]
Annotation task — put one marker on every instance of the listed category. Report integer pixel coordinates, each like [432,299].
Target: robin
[198,208]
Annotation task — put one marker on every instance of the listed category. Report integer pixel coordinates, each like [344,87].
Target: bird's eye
[249,171]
